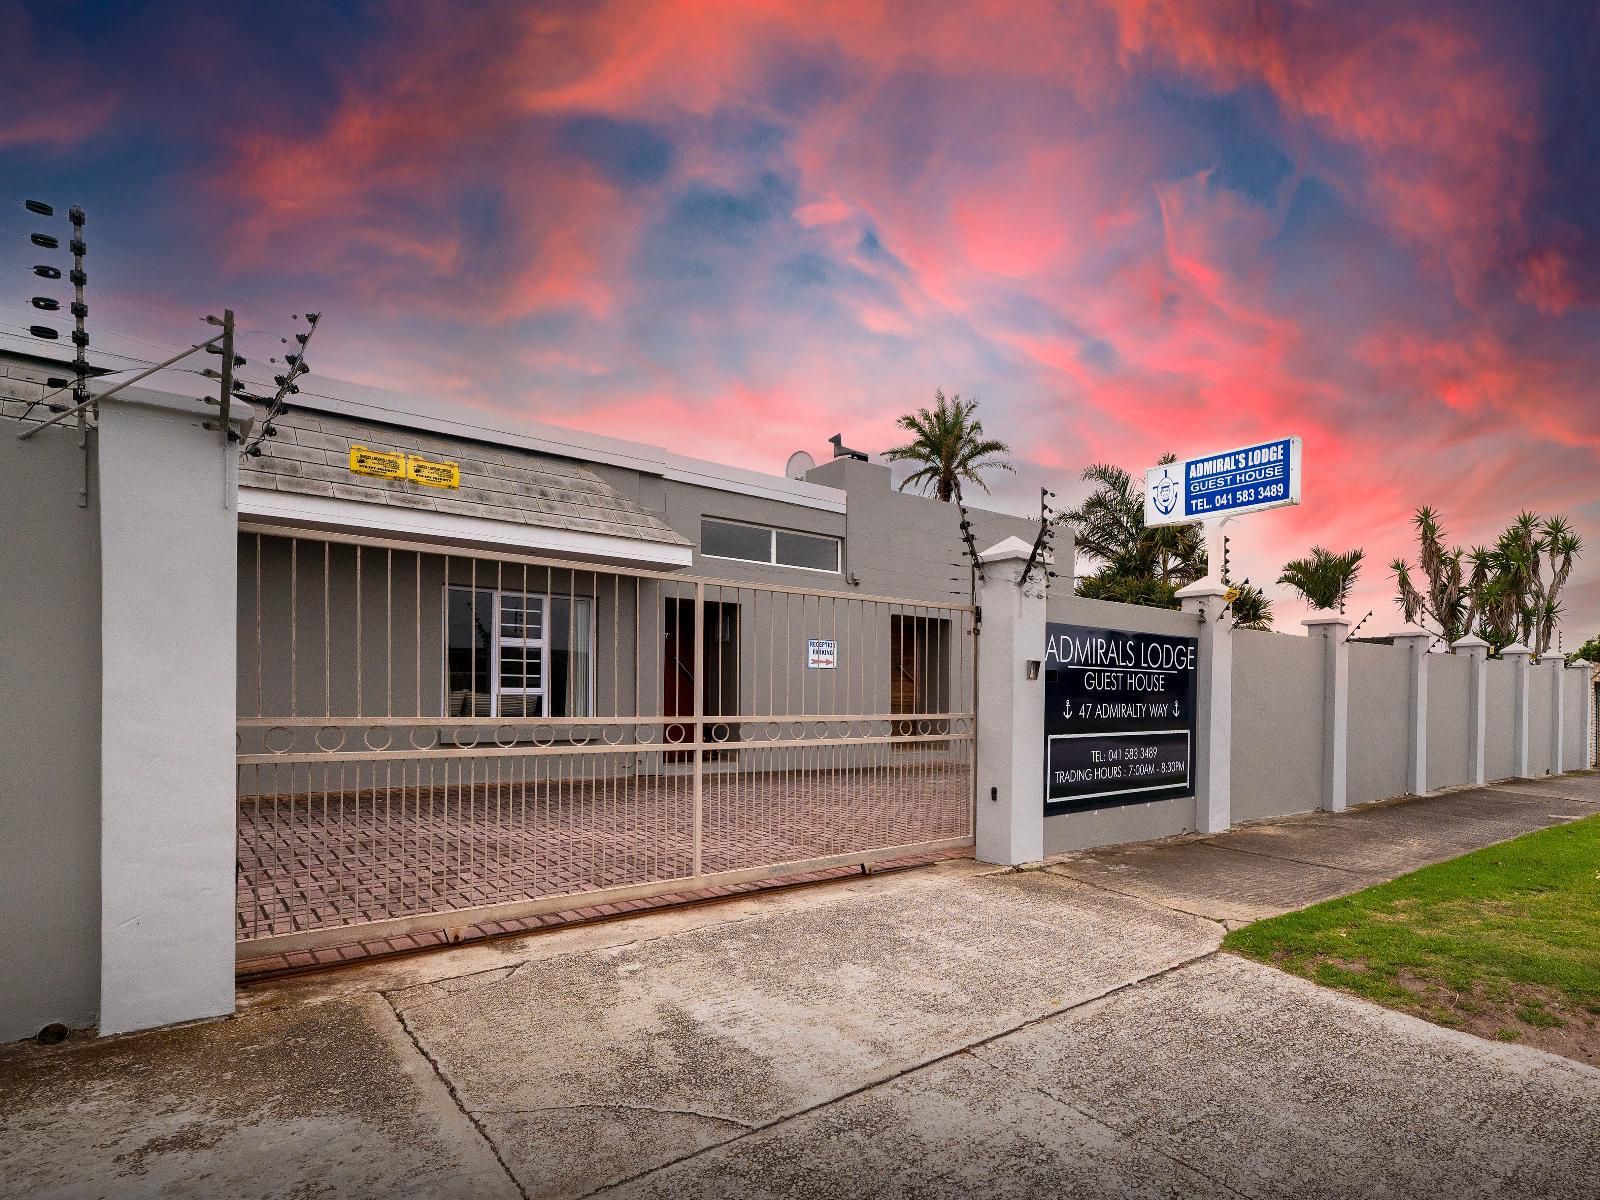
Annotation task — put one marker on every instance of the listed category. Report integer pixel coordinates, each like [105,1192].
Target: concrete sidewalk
[945,1031]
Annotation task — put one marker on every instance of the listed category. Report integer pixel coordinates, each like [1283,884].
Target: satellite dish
[799,463]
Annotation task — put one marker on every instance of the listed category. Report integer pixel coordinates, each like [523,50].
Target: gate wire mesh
[431,739]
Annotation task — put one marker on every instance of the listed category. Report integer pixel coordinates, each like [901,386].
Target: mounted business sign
[1119,717]
[1227,484]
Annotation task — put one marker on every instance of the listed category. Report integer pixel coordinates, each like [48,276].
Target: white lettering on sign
[1230,483]
[822,655]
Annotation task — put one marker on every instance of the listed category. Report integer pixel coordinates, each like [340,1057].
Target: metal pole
[698,658]
[80,342]
[227,368]
[67,412]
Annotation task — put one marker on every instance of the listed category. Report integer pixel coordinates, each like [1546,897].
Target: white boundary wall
[1286,724]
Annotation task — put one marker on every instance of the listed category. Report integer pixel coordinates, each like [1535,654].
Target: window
[761,544]
[518,654]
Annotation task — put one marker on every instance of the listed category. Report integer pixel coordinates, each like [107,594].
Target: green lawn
[1504,941]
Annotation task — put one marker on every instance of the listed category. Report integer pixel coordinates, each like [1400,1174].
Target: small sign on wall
[822,655]
[433,474]
[386,465]
[377,462]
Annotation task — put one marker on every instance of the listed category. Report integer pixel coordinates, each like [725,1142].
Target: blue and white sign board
[822,655]
[1213,486]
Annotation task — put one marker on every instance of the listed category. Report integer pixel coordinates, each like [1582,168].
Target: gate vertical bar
[697,663]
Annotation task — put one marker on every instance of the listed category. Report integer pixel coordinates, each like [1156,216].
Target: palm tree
[1108,526]
[949,446]
[1503,596]
[1251,609]
[1323,577]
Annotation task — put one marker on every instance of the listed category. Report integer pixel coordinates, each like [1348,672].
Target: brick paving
[334,858]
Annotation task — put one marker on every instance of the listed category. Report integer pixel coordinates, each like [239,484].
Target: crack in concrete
[1126,1135]
[1096,885]
[912,1069]
[1304,862]
[618,1107]
[455,1095]
[642,940]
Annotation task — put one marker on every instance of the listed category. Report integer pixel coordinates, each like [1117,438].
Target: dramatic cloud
[1128,225]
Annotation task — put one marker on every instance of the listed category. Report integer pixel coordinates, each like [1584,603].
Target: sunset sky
[1127,226]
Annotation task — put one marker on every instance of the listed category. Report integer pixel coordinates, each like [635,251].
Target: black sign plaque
[1119,717]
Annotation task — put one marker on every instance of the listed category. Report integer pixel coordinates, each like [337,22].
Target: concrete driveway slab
[1206,879]
[957,1128]
[1272,1086]
[713,1032]
[326,1101]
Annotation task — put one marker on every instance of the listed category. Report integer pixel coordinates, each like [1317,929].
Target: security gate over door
[433,739]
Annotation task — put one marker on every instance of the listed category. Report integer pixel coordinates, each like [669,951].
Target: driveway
[949,1030]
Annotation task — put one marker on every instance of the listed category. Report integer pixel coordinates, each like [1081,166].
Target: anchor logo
[1165,492]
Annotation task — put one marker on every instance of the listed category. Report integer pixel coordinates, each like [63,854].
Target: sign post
[1212,489]
[1215,488]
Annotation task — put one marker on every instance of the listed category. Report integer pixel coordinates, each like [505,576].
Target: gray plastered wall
[1277,725]
[1499,754]
[1577,753]
[1541,720]
[50,740]
[1449,711]
[1380,716]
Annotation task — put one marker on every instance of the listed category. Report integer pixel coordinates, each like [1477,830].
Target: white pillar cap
[1410,630]
[1201,589]
[1581,664]
[1470,642]
[1012,547]
[1515,650]
[1331,619]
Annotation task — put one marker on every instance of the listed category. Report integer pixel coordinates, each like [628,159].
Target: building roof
[379,406]
[310,456]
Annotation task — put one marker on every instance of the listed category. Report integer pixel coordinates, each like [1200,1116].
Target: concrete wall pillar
[1414,641]
[1476,650]
[1518,655]
[169,532]
[1010,807]
[1556,667]
[1213,789]
[1584,757]
[1333,631]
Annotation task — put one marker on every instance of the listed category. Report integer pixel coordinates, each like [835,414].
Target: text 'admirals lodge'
[1130,663]
[1119,716]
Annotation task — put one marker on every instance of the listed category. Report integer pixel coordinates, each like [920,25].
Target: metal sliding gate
[436,739]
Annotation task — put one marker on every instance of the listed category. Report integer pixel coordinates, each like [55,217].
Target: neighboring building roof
[311,452]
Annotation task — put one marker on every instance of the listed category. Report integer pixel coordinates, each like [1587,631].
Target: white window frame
[772,532]
[496,640]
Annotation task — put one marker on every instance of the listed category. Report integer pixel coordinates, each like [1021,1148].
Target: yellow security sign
[377,462]
[433,474]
